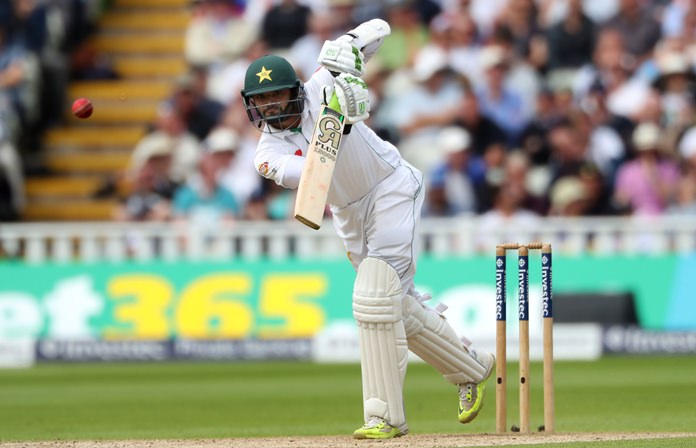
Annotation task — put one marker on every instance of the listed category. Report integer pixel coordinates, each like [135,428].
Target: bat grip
[348,127]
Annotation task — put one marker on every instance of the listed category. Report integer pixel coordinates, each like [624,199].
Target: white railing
[105,241]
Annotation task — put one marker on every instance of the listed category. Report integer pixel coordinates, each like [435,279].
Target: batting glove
[340,56]
[350,94]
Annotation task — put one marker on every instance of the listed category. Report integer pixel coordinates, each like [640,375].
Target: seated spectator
[684,203]
[568,197]
[217,34]
[520,20]
[224,86]
[237,176]
[571,42]
[303,52]
[271,202]
[508,220]
[502,105]
[202,201]
[598,194]
[676,85]
[284,23]
[450,188]
[611,70]
[464,45]
[568,145]
[184,146]
[484,131]
[408,35]
[149,186]
[638,26]
[11,180]
[18,80]
[647,184]
[190,101]
[419,113]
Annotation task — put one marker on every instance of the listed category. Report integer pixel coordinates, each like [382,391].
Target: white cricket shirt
[364,159]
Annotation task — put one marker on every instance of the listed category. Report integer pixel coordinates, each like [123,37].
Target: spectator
[450,188]
[284,24]
[18,77]
[498,102]
[534,140]
[508,220]
[303,53]
[519,19]
[612,70]
[203,201]
[571,42]
[484,131]
[639,28]
[648,183]
[150,189]
[190,101]
[408,36]
[568,150]
[599,201]
[184,147]
[224,86]
[684,203]
[11,180]
[464,45]
[677,87]
[420,112]
[568,197]
[217,35]
[236,153]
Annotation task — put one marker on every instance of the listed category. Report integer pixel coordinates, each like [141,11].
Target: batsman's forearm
[292,173]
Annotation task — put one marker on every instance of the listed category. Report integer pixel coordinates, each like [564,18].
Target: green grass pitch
[221,400]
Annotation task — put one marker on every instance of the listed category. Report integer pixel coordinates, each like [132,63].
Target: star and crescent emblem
[264,74]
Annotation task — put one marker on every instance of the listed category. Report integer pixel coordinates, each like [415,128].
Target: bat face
[327,135]
[319,166]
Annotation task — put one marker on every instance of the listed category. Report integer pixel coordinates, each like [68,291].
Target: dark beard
[276,120]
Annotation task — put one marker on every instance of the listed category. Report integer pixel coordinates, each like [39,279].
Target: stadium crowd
[513,109]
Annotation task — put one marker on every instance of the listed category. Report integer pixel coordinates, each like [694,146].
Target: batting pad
[377,310]
[432,338]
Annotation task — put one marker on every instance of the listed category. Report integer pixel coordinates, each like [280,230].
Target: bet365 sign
[162,302]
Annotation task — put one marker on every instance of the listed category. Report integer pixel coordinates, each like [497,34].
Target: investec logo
[545,287]
[523,307]
[499,286]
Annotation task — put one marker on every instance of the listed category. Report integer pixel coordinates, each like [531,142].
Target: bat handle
[348,127]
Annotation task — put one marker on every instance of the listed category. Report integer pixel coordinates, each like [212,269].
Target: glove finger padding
[353,97]
[341,57]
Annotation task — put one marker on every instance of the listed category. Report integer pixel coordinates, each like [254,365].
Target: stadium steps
[153,4]
[70,210]
[145,40]
[164,20]
[134,66]
[66,187]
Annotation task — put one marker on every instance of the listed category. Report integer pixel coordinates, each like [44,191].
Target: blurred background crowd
[513,109]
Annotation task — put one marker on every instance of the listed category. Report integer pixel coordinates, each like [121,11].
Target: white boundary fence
[245,240]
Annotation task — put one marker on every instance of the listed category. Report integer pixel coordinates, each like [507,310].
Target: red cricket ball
[82,108]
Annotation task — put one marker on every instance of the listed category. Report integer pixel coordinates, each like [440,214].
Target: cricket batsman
[375,198]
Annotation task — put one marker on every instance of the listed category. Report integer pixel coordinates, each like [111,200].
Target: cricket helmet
[272,73]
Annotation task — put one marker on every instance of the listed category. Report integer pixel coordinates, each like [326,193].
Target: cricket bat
[317,173]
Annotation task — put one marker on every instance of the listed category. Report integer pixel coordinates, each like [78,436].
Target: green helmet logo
[269,73]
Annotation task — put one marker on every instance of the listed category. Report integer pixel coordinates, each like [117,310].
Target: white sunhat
[646,136]
[453,139]
[222,139]
[429,61]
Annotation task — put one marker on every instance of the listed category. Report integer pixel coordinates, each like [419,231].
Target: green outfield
[229,400]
